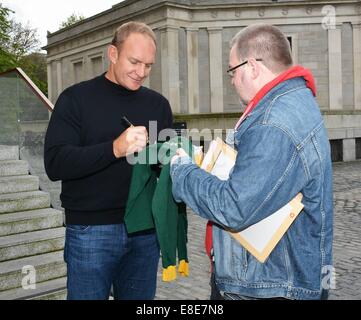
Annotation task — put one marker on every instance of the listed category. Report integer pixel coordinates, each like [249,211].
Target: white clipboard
[262,237]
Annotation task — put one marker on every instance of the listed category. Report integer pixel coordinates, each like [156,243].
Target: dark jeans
[100,256]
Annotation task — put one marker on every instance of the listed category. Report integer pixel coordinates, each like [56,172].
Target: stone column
[147,82]
[50,85]
[357,64]
[216,70]
[349,149]
[335,68]
[59,77]
[50,81]
[193,71]
[170,66]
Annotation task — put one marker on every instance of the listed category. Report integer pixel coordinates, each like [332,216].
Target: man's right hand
[180,153]
[132,140]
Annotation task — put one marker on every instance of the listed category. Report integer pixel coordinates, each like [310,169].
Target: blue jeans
[100,256]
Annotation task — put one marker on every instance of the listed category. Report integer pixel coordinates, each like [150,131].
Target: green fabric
[142,187]
[151,204]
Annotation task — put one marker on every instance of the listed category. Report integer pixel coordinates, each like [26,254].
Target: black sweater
[79,146]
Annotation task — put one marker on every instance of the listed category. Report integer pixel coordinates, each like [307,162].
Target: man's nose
[141,72]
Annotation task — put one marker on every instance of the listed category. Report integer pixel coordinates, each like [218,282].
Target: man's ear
[112,54]
[255,68]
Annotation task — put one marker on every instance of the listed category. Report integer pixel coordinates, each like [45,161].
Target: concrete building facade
[193,45]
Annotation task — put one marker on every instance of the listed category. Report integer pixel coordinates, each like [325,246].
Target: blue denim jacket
[283,149]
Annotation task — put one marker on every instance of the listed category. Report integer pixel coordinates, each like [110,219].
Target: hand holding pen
[129,124]
[133,139]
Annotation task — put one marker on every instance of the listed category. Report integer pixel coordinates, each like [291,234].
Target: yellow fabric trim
[183,268]
[169,274]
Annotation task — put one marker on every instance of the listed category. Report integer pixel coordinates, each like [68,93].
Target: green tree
[72,19]
[23,40]
[7,61]
[19,47]
[4,24]
[16,40]
[34,65]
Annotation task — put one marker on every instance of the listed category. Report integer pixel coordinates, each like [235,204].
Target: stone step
[9,152]
[54,295]
[48,290]
[27,221]
[13,168]
[18,184]
[31,243]
[14,202]
[47,267]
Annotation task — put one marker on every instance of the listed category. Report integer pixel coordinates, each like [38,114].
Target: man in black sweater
[86,147]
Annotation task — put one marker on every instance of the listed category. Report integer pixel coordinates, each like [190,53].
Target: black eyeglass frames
[231,71]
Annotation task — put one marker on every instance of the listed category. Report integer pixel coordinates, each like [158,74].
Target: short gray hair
[266,42]
[126,29]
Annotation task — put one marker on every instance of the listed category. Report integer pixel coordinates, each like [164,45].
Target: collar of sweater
[117,88]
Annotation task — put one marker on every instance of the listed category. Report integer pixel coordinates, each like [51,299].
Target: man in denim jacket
[283,149]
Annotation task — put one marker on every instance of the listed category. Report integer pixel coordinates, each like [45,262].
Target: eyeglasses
[231,71]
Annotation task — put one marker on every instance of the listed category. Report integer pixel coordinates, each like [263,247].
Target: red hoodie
[293,72]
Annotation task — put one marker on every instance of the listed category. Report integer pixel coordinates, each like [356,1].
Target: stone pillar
[88,68]
[50,85]
[170,66]
[335,68]
[357,64]
[50,81]
[193,71]
[147,82]
[349,149]
[216,70]
[59,77]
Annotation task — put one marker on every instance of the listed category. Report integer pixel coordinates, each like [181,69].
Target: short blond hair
[266,42]
[126,29]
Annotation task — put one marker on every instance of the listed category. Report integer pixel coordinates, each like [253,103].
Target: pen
[124,118]
[127,121]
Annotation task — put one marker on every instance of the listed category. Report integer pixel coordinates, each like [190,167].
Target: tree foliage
[4,23]
[73,18]
[19,47]
[7,61]
[34,65]
[23,40]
